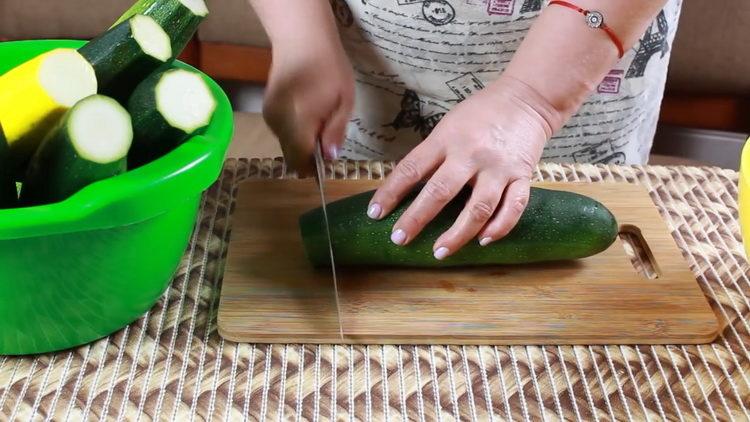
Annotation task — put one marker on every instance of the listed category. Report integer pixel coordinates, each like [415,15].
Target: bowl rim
[136,195]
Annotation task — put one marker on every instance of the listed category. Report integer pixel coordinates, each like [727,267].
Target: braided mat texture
[172,365]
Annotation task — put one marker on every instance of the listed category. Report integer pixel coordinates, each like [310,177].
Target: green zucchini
[8,194]
[167,108]
[126,54]
[180,18]
[89,144]
[556,226]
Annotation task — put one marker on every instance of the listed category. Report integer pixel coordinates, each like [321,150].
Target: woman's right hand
[310,94]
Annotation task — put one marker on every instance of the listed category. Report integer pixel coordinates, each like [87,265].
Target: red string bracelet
[594,19]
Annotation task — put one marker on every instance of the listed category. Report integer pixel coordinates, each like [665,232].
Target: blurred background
[705,116]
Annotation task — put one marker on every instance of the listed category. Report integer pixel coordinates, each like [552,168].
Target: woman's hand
[492,141]
[310,91]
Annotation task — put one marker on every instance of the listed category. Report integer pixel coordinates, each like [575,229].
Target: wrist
[297,25]
[305,40]
[530,101]
[564,59]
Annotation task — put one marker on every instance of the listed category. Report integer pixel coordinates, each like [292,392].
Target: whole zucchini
[556,226]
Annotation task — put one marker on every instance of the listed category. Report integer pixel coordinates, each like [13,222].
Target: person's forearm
[562,60]
[296,22]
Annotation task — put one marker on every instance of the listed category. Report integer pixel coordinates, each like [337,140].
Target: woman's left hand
[492,141]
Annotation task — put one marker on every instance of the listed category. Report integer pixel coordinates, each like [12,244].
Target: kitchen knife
[320,177]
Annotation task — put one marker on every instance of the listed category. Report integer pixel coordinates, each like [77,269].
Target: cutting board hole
[638,251]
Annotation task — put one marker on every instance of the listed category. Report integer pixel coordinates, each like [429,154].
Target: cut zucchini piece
[35,95]
[180,18]
[126,54]
[150,36]
[91,143]
[167,108]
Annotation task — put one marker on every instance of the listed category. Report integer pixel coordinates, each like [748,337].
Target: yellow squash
[34,95]
[745,196]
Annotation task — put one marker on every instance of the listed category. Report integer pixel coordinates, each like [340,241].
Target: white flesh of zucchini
[198,7]
[184,100]
[100,129]
[152,38]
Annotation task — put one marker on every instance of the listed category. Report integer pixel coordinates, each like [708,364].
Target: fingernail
[374,211]
[442,253]
[398,237]
[485,241]
[333,152]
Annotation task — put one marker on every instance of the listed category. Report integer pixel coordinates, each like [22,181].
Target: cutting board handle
[638,250]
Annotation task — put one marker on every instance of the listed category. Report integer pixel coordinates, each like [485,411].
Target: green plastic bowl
[79,270]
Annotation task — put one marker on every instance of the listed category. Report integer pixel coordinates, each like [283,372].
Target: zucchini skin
[56,171]
[119,61]
[138,8]
[179,22]
[176,19]
[8,194]
[556,226]
[153,136]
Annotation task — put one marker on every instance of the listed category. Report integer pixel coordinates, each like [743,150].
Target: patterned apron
[414,60]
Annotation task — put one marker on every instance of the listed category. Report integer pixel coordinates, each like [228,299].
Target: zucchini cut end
[198,7]
[152,38]
[184,100]
[67,77]
[100,129]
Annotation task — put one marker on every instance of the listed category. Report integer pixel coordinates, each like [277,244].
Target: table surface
[172,363]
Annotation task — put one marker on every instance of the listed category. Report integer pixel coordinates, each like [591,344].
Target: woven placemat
[172,364]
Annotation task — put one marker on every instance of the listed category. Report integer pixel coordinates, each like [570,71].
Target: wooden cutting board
[271,294]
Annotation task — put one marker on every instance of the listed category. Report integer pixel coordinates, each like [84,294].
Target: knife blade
[319,177]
